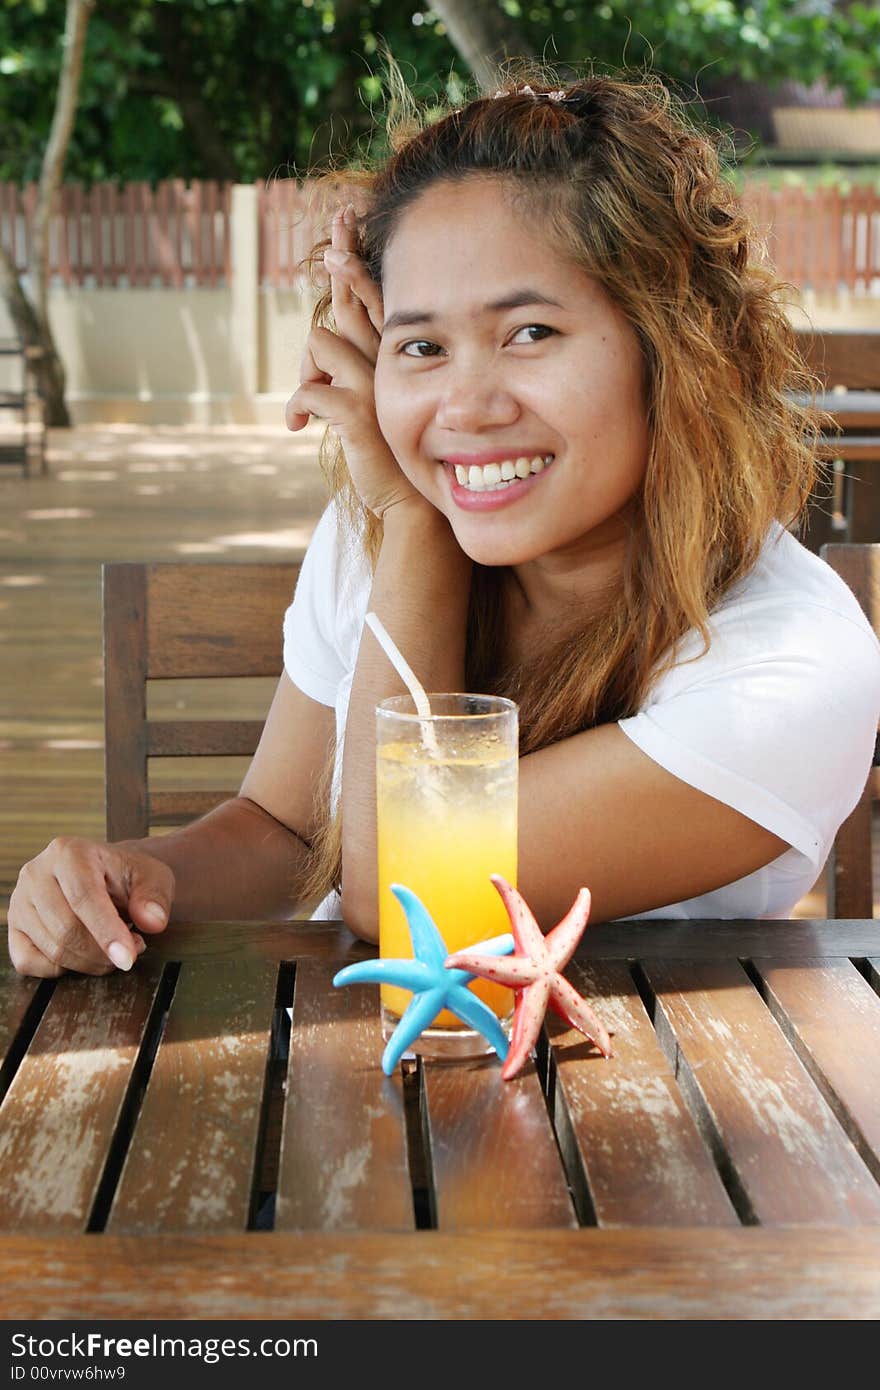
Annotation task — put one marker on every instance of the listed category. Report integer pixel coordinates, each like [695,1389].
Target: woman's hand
[336,374]
[64,913]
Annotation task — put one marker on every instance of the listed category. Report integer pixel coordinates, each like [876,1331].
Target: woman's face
[508,384]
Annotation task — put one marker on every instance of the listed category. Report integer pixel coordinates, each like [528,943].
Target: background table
[724,1163]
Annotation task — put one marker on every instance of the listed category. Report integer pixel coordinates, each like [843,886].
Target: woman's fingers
[28,959]
[308,372]
[358,316]
[340,245]
[330,364]
[60,935]
[56,930]
[334,404]
[326,355]
[357,299]
[67,905]
[56,938]
[81,872]
[334,358]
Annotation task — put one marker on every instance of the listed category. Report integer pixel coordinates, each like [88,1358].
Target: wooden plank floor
[119,492]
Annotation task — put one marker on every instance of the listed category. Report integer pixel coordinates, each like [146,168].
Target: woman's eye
[539,331]
[413,349]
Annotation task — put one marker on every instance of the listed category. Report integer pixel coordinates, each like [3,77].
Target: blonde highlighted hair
[633,192]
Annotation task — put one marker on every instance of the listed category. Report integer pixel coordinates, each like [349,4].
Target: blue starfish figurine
[433,987]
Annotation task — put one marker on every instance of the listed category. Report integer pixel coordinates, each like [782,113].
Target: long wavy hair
[635,193]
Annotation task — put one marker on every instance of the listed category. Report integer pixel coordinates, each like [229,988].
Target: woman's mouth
[482,486]
[500,475]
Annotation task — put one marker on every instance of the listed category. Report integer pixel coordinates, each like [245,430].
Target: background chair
[848,363]
[173,622]
[850,865]
[27,442]
[181,622]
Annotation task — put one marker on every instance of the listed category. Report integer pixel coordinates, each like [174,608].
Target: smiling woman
[563,458]
[577,363]
[562,398]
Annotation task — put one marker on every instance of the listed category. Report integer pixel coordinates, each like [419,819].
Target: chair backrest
[850,865]
[844,357]
[28,440]
[173,622]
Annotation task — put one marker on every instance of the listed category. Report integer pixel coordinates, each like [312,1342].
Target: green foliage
[247,89]
[813,176]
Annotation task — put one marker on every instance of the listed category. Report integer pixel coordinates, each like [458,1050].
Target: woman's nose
[474,401]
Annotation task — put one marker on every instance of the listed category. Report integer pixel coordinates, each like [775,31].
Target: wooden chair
[181,621]
[847,357]
[176,621]
[24,399]
[848,363]
[850,876]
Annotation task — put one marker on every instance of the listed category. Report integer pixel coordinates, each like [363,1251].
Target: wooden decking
[120,493]
[127,493]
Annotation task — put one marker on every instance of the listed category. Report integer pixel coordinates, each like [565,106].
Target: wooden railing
[131,235]
[822,240]
[292,222]
[176,235]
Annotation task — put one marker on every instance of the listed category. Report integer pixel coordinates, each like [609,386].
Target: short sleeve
[778,720]
[312,656]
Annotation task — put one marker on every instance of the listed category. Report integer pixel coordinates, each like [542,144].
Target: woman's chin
[492,554]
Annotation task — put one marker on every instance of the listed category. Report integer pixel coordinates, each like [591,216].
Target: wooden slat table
[724,1163]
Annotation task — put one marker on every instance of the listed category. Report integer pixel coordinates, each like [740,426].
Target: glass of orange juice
[446,820]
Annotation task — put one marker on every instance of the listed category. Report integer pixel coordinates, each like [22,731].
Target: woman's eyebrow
[517,299]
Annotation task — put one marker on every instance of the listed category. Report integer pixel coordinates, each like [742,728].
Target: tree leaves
[239,88]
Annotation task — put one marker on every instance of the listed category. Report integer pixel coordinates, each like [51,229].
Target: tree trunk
[175,80]
[30,315]
[47,367]
[484,36]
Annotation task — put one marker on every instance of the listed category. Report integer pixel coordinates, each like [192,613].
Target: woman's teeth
[495,476]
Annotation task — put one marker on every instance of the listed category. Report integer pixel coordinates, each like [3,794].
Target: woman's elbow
[361,916]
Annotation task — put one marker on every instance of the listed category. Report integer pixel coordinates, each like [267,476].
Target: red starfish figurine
[533,971]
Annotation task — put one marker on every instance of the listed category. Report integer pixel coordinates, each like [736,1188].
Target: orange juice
[447,819]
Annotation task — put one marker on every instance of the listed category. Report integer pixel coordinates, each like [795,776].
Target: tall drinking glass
[446,820]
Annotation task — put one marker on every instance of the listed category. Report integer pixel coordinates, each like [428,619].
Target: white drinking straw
[408,676]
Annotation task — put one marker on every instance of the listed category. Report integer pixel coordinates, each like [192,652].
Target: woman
[565,458]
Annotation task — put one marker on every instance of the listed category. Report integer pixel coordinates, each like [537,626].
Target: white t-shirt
[777,719]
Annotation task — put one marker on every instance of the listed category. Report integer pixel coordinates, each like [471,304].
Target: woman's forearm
[237,862]
[420,593]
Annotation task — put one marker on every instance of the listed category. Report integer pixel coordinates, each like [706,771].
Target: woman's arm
[420,593]
[596,811]
[421,584]
[245,859]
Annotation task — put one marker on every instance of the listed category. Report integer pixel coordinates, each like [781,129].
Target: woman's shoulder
[336,568]
[787,574]
[790,607]
[322,625]
[336,540]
